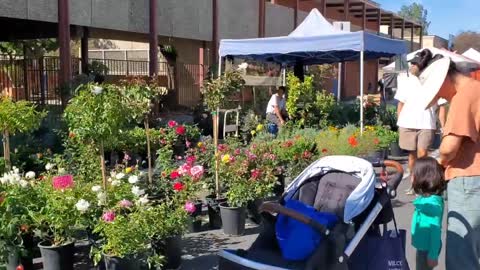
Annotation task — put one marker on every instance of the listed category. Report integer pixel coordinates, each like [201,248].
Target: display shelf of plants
[131,188]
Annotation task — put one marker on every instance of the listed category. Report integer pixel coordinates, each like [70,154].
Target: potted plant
[139,97]
[248,177]
[60,218]
[98,70]
[249,126]
[18,197]
[96,116]
[20,116]
[215,95]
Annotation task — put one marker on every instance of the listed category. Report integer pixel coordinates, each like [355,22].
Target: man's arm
[399,108]
[278,113]
[449,148]
[442,115]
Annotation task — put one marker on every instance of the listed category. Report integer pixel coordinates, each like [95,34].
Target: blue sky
[446,16]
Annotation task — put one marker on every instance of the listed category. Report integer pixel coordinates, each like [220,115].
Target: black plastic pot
[214,219]
[194,225]
[179,149]
[115,263]
[198,208]
[395,150]
[173,252]
[279,189]
[233,219]
[57,257]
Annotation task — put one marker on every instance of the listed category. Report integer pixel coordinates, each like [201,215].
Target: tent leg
[361,92]
[284,76]
[339,83]
[216,121]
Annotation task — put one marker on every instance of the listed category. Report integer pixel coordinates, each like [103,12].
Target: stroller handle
[395,180]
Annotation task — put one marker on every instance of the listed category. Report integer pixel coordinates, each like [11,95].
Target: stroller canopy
[362,195]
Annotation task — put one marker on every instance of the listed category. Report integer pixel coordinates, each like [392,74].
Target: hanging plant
[169,52]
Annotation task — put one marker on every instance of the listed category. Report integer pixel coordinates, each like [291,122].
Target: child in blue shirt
[428,184]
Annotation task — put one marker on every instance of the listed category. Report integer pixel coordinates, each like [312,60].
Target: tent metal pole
[361,92]
[216,119]
[339,82]
[284,76]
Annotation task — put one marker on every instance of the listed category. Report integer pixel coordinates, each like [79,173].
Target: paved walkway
[201,248]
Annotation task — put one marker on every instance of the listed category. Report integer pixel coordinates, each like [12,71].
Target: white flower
[4,180]
[16,170]
[119,176]
[242,66]
[102,198]
[133,179]
[96,189]
[116,183]
[61,171]
[23,183]
[49,166]
[30,175]
[112,174]
[97,90]
[82,205]
[143,200]
[137,191]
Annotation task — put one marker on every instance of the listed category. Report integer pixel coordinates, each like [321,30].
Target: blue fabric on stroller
[297,240]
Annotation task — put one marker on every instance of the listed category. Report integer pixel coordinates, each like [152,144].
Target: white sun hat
[432,79]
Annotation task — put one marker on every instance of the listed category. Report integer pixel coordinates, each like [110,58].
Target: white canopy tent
[315,41]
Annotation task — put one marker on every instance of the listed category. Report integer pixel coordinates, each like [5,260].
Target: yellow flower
[200,144]
[226,158]
[253,132]
[259,127]
[128,170]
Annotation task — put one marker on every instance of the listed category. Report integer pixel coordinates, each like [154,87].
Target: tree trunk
[102,162]
[149,154]
[6,150]
[215,140]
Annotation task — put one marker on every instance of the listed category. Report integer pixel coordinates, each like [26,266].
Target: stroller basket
[345,186]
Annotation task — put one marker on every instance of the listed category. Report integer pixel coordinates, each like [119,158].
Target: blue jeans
[463,234]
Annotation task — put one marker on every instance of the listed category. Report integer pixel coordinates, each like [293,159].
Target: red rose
[19,267]
[71,135]
[307,155]
[172,123]
[180,130]
[376,141]
[353,141]
[174,175]
[324,150]
[178,186]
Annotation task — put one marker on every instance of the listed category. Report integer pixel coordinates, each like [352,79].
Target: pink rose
[109,216]
[191,160]
[197,172]
[184,169]
[237,151]
[63,182]
[172,124]
[180,130]
[256,173]
[190,207]
[125,203]
[188,143]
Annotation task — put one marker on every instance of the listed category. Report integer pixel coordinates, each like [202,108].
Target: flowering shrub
[346,141]
[248,174]
[18,197]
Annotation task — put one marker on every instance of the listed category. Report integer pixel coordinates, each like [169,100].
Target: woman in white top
[276,108]
[417,126]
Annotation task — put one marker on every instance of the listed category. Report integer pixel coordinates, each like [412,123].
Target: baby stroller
[344,185]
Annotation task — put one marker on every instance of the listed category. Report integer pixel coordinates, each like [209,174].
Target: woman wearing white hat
[460,155]
[417,125]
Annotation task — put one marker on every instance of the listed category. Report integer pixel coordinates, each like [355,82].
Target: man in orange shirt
[460,155]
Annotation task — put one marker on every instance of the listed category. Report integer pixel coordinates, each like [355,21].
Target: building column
[153,64]
[403,29]
[390,30]
[421,37]
[346,9]
[411,37]
[364,16]
[295,14]
[324,8]
[84,49]
[261,18]
[214,31]
[64,42]
[201,62]
[379,20]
